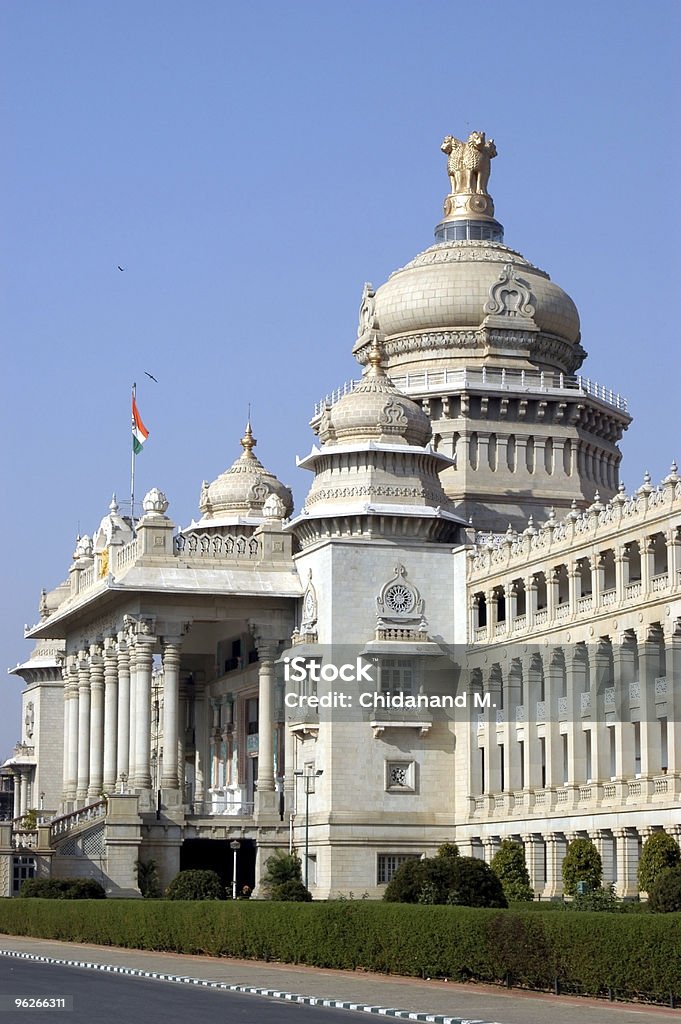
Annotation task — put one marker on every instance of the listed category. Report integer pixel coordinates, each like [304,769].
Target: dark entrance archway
[215,855]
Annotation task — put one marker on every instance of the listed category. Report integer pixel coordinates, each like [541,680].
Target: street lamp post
[234,846]
[310,778]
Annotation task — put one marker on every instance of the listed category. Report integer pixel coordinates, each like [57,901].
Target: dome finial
[375,368]
[469,208]
[248,442]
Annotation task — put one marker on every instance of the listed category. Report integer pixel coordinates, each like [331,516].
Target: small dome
[375,411]
[243,489]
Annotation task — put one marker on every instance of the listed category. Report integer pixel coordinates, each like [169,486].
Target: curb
[272,993]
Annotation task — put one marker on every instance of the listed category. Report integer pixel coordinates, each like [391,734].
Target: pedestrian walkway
[475,1003]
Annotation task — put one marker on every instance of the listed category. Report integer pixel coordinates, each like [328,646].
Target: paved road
[94,997]
[481,1003]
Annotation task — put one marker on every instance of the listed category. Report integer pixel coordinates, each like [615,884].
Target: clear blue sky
[251,165]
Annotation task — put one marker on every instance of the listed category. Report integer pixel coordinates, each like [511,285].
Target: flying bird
[151,375]
[120,267]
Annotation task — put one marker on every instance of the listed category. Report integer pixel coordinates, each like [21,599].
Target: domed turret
[242,490]
[375,411]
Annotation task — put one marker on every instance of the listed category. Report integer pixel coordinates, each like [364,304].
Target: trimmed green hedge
[588,953]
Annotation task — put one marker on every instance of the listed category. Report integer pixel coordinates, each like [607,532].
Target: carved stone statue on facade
[468,163]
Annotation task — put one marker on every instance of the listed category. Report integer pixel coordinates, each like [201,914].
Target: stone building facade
[512,615]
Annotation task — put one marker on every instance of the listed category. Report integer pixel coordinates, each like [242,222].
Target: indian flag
[139,431]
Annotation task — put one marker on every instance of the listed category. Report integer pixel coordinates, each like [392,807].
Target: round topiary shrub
[195,884]
[292,891]
[659,852]
[582,863]
[474,884]
[664,895]
[508,864]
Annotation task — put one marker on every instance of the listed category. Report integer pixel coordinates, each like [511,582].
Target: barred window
[397,676]
[388,863]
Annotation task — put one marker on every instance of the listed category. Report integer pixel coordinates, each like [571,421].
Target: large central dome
[470,297]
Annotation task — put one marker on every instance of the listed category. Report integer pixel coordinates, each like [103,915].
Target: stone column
[23,792]
[110,714]
[96,723]
[492,612]
[531,599]
[627,861]
[575,671]
[171,703]
[200,746]
[621,570]
[266,653]
[71,753]
[123,723]
[289,765]
[553,678]
[649,670]
[67,723]
[573,587]
[83,728]
[132,718]
[491,845]
[144,664]
[647,564]
[597,577]
[16,809]
[602,840]
[556,848]
[600,737]
[534,858]
[623,672]
[673,661]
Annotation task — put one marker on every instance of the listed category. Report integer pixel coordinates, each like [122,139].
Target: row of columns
[619,850]
[574,578]
[107,719]
[580,676]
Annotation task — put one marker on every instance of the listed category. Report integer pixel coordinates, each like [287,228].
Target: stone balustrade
[59,827]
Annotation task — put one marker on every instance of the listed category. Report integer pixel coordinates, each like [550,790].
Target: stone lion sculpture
[468,163]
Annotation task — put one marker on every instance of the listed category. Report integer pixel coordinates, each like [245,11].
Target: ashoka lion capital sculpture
[468,163]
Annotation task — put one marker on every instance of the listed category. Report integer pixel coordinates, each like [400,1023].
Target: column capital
[625,832]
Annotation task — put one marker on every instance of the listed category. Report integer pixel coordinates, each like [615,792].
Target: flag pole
[132,463]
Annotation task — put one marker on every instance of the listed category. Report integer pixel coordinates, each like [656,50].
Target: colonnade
[607,714]
[107,719]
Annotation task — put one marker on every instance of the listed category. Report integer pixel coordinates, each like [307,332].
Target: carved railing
[86,578]
[126,555]
[492,379]
[66,822]
[221,808]
[25,838]
[211,546]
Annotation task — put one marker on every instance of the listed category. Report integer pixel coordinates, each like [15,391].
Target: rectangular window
[663,744]
[482,770]
[587,754]
[22,868]
[388,863]
[637,748]
[502,767]
[542,754]
[564,738]
[521,747]
[613,751]
[397,676]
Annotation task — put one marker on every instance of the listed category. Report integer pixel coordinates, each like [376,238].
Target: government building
[468,632]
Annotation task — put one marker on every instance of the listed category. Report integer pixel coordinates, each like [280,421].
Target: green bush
[659,852]
[62,889]
[475,885]
[282,867]
[293,891]
[664,895]
[582,863]
[147,879]
[589,953]
[196,885]
[463,881]
[448,850]
[508,864]
[603,898]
